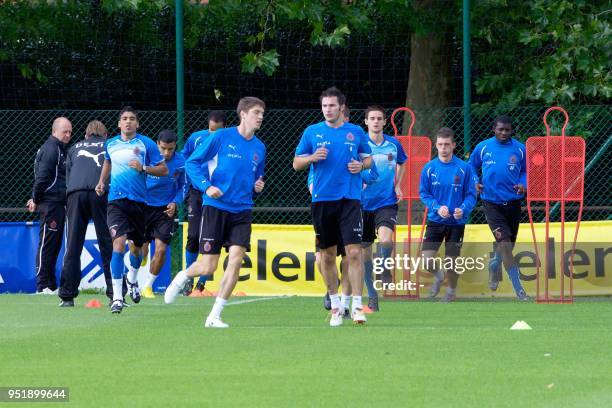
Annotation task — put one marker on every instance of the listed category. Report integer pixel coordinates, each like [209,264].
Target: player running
[129,157]
[380,195]
[339,152]
[229,167]
[163,195]
[504,181]
[447,189]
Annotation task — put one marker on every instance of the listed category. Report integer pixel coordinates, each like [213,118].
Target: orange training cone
[93,304]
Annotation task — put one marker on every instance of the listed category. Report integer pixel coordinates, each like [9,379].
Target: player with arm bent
[129,157]
[339,152]
[228,167]
[504,183]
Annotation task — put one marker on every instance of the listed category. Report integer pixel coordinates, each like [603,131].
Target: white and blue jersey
[332,180]
[449,184]
[380,191]
[168,189]
[231,163]
[503,166]
[126,182]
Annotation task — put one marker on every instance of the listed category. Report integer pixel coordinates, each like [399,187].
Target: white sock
[150,279]
[180,279]
[345,300]
[117,289]
[217,307]
[132,275]
[357,302]
[335,301]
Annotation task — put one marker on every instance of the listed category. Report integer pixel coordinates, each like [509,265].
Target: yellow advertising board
[282,260]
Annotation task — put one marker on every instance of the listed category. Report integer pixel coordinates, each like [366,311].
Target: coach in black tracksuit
[49,199]
[83,166]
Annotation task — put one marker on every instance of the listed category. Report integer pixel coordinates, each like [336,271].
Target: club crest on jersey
[136,150]
[207,246]
[457,179]
[512,162]
[390,157]
[350,137]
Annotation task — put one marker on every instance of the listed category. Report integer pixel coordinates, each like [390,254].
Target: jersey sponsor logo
[94,157]
[319,136]
[233,147]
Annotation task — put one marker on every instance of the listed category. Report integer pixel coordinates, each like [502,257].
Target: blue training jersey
[193,141]
[332,180]
[231,163]
[380,191]
[167,189]
[503,166]
[126,182]
[451,184]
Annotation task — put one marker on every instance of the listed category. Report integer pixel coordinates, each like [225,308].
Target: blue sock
[514,276]
[190,257]
[135,261]
[385,252]
[117,266]
[367,277]
[203,279]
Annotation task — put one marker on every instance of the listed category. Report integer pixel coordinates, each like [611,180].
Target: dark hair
[217,116]
[331,92]
[128,109]
[245,104]
[446,133]
[375,108]
[167,136]
[506,120]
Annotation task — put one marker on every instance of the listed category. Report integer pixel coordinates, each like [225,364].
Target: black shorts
[451,235]
[126,217]
[381,217]
[194,218]
[159,225]
[503,219]
[337,222]
[221,228]
[340,249]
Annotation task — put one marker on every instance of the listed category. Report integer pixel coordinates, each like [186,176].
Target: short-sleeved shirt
[126,182]
[332,180]
[380,192]
[163,190]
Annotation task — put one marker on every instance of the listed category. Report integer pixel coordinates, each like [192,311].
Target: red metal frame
[416,157]
[556,189]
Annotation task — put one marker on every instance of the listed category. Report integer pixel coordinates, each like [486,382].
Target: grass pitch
[281,352]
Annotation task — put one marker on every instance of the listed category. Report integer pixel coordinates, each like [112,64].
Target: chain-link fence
[286,198]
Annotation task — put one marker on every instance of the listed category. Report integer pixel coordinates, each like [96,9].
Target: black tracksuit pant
[82,206]
[51,218]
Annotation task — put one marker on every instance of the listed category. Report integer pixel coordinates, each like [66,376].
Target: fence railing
[286,199]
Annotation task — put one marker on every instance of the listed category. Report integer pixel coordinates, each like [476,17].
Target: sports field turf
[281,352]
